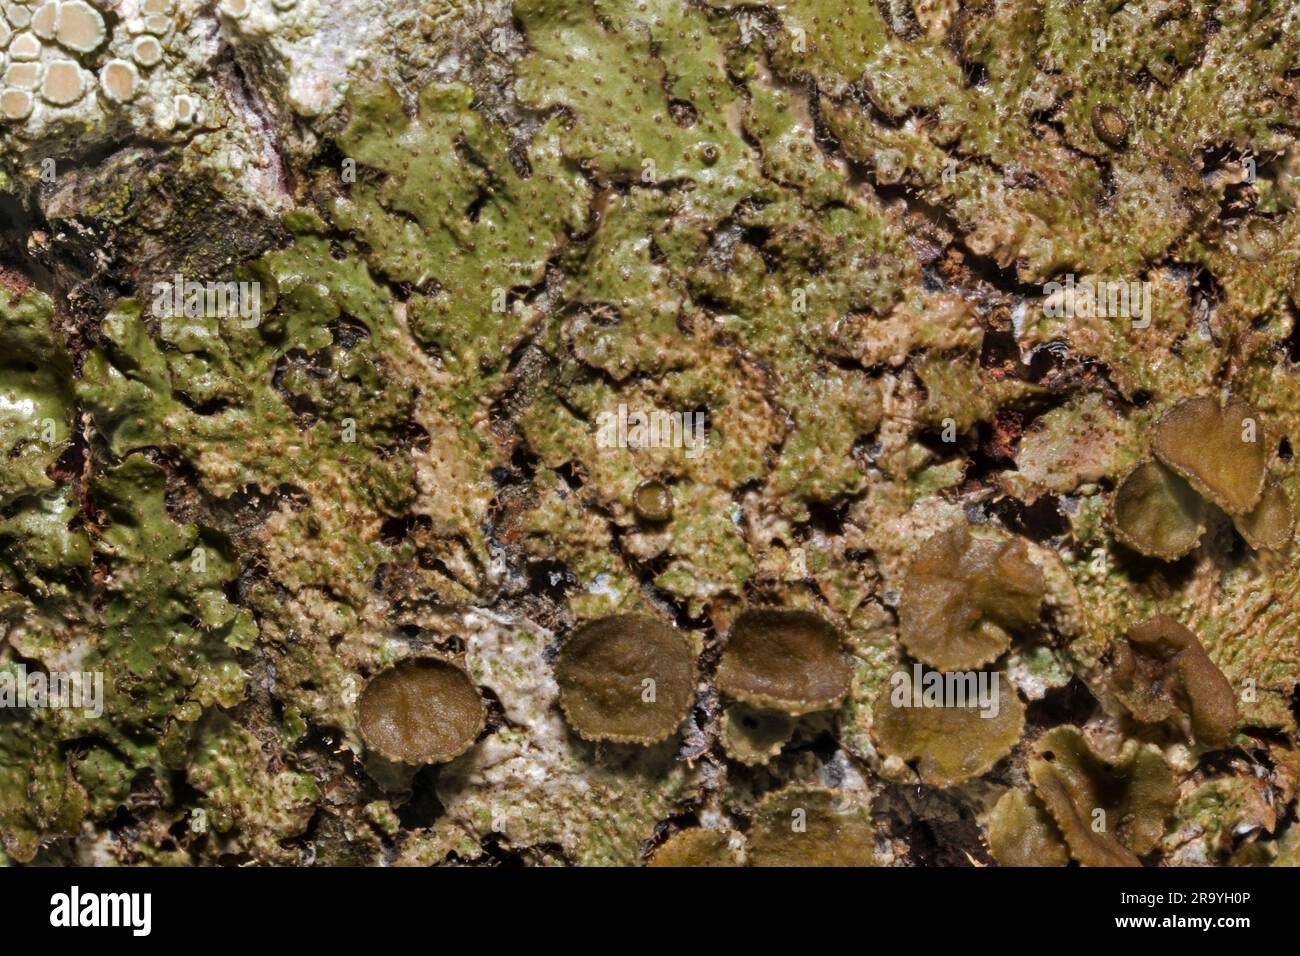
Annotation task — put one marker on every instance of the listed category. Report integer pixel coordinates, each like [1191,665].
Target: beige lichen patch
[79,26]
[118,80]
[963,597]
[789,660]
[64,83]
[1021,832]
[158,7]
[627,678]
[15,104]
[44,20]
[944,728]
[235,9]
[698,847]
[1220,450]
[18,15]
[752,735]
[23,76]
[24,46]
[423,710]
[811,826]
[1110,811]
[185,109]
[1157,513]
[1270,525]
[147,51]
[1160,671]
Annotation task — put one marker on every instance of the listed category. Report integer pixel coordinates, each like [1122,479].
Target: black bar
[220,906]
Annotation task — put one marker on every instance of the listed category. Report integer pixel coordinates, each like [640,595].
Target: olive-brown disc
[1110,125]
[785,660]
[1221,451]
[950,741]
[653,501]
[1022,833]
[804,825]
[1160,669]
[1157,513]
[422,710]
[754,735]
[1110,811]
[696,847]
[963,597]
[1270,525]
[626,679]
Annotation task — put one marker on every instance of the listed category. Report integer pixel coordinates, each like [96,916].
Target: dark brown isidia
[423,710]
[628,678]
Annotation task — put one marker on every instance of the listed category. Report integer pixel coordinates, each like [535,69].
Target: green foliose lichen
[789,267]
